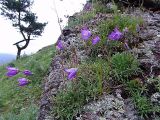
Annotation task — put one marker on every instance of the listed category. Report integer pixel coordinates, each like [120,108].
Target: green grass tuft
[28,113]
[124,65]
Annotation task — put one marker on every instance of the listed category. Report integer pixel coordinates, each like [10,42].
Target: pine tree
[19,12]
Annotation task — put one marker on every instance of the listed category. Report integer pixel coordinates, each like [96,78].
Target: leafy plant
[142,104]
[134,86]
[124,65]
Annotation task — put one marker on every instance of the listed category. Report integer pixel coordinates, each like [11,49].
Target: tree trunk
[18,53]
[22,48]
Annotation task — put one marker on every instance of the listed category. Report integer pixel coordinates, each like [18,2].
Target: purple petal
[23,81]
[11,68]
[96,40]
[71,72]
[72,75]
[11,71]
[27,72]
[85,33]
[59,46]
[115,35]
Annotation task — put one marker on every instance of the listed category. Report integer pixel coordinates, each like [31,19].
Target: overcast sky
[45,12]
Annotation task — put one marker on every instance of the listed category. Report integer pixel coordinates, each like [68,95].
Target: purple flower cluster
[11,71]
[86,34]
[117,35]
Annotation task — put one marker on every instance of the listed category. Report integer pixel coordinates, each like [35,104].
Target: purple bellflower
[12,71]
[23,81]
[71,73]
[59,45]
[115,35]
[85,33]
[95,40]
[27,72]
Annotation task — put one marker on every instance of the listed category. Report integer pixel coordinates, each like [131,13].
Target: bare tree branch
[21,41]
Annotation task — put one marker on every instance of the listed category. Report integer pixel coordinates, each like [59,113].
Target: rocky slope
[108,107]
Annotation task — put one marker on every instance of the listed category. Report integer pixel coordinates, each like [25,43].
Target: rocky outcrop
[148,52]
[155,98]
[108,107]
[51,86]
[55,79]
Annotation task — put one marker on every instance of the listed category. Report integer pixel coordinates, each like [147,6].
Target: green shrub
[134,86]
[124,65]
[142,103]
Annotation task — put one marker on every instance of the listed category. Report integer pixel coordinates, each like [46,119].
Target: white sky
[45,12]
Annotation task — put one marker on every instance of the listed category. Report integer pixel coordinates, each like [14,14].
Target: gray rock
[155,98]
[110,107]
[148,52]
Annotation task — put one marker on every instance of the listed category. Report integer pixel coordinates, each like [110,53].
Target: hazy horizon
[6,58]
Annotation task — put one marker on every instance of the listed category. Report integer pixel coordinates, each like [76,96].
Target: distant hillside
[6,58]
